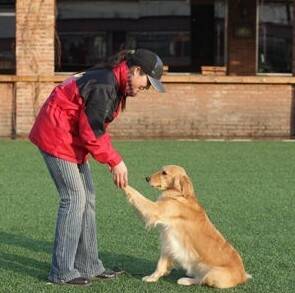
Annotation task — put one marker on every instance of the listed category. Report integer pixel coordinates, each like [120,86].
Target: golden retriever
[188,237]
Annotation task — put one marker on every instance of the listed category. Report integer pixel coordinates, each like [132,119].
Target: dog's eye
[164,173]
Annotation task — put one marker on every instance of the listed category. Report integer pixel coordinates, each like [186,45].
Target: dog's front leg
[149,210]
[164,267]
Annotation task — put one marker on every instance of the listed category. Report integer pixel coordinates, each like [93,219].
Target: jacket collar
[121,74]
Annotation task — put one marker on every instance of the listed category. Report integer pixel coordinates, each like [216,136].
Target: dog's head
[172,177]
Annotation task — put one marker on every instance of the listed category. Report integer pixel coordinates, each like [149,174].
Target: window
[82,50]
[91,31]
[88,32]
[7,37]
[275,36]
[208,20]
[173,47]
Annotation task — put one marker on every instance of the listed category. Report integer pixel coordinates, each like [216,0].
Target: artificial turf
[247,188]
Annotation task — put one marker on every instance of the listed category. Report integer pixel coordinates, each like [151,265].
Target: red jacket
[73,120]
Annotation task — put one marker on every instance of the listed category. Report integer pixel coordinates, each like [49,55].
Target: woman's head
[146,68]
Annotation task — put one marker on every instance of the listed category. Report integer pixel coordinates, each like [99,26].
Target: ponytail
[123,55]
[113,61]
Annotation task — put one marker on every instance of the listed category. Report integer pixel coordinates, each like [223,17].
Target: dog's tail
[248,276]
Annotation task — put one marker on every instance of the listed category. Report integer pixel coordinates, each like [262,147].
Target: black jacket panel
[99,90]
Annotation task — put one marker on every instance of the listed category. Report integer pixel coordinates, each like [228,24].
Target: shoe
[109,274]
[79,282]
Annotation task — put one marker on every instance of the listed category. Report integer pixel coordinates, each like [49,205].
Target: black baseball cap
[151,65]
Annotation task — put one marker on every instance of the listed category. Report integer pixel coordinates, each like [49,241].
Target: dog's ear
[177,184]
[184,185]
[187,187]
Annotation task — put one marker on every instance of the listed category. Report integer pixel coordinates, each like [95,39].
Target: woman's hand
[120,175]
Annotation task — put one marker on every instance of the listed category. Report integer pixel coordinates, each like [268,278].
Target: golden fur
[188,238]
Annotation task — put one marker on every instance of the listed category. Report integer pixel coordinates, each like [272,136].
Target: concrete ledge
[169,78]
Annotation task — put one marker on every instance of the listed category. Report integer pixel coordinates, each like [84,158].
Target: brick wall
[6,106]
[29,97]
[35,22]
[188,109]
[209,110]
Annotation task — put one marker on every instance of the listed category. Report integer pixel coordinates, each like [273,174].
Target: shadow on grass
[25,242]
[26,265]
[136,267]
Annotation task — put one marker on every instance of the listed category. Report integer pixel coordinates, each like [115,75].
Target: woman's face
[139,81]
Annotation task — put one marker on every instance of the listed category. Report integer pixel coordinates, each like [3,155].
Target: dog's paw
[150,279]
[187,281]
[127,190]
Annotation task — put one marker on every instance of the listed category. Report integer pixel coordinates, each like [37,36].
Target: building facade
[229,63]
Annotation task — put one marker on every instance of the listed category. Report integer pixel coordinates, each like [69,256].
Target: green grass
[247,188]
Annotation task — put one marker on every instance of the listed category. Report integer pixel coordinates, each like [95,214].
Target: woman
[71,124]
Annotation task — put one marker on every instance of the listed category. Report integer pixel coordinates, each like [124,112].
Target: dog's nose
[148,179]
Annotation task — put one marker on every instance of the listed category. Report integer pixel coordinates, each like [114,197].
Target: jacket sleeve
[100,147]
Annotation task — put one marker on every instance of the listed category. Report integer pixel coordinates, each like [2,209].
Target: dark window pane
[173,47]
[88,32]
[219,35]
[7,37]
[207,33]
[82,50]
[275,36]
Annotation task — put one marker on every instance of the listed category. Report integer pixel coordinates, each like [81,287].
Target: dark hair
[113,61]
[116,59]
[123,55]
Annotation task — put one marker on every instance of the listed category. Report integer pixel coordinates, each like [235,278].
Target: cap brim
[156,84]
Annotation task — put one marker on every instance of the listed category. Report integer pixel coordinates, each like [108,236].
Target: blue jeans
[75,246]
